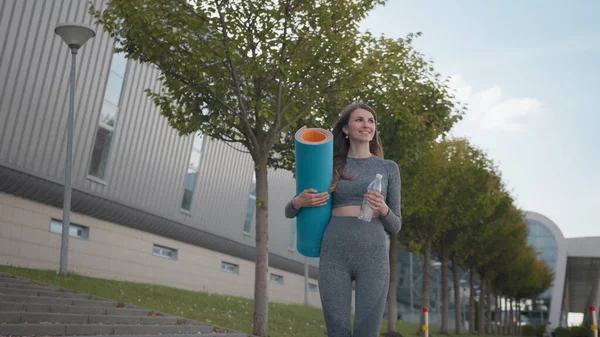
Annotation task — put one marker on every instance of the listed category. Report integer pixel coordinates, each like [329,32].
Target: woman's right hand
[310,198]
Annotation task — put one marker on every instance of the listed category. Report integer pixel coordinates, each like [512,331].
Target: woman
[354,250]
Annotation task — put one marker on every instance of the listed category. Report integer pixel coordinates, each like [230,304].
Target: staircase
[29,308]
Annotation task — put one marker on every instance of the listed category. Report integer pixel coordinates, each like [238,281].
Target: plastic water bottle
[366,212]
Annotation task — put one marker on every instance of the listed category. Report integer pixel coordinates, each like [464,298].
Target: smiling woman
[358,158]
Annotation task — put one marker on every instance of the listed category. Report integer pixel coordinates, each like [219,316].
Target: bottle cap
[378,176]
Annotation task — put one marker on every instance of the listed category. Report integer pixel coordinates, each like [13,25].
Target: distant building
[576,264]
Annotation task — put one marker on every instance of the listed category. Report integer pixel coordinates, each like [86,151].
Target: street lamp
[75,36]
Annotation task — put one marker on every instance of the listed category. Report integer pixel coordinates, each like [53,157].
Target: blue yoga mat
[314,169]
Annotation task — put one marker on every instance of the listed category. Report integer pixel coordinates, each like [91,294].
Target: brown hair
[341,144]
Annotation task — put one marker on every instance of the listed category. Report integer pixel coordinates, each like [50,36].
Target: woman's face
[361,126]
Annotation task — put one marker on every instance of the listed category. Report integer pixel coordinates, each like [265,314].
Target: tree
[507,239]
[520,274]
[243,72]
[470,248]
[421,219]
[415,107]
[432,192]
[469,197]
[502,235]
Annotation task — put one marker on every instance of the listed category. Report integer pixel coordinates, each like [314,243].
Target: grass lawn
[231,312]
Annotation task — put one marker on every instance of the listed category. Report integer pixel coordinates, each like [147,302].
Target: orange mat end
[313,136]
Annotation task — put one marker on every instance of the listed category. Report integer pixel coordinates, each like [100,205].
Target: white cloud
[489,110]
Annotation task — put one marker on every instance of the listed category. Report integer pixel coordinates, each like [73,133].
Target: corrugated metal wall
[148,160]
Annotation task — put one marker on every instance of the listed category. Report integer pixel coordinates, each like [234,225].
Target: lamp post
[75,35]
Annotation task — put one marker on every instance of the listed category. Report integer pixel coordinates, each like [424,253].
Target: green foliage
[563,332]
[580,331]
[449,186]
[539,330]
[242,71]
[528,331]
[414,104]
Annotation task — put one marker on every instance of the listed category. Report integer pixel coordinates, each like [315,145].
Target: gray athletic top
[351,192]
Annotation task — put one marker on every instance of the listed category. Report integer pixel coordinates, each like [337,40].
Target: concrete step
[52,317]
[7,279]
[56,300]
[66,309]
[23,329]
[130,312]
[44,292]
[30,308]
[27,285]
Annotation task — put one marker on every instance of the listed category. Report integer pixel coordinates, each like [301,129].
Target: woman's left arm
[392,222]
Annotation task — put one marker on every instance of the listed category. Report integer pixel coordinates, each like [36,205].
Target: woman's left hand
[377,202]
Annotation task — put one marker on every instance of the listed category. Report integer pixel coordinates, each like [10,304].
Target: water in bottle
[366,212]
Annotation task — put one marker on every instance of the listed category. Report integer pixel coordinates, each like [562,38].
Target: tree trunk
[261,301]
[445,301]
[517,317]
[489,304]
[481,325]
[426,266]
[391,299]
[506,317]
[457,299]
[519,329]
[498,320]
[511,320]
[471,300]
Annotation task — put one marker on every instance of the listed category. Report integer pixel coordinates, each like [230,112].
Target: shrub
[539,330]
[528,331]
[563,332]
[579,331]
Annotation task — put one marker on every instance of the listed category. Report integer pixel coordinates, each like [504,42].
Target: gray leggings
[354,250]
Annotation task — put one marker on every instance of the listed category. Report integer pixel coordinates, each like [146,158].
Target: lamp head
[75,35]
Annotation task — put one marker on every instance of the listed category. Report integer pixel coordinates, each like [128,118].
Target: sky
[530,73]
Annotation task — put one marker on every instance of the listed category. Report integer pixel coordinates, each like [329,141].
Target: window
[313,287]
[250,218]
[276,278]
[166,252]
[292,243]
[76,231]
[543,241]
[230,267]
[189,185]
[108,116]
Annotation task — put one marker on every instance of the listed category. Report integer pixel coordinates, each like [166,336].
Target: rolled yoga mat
[314,169]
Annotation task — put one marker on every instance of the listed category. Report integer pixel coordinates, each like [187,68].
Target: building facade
[148,205]
[576,266]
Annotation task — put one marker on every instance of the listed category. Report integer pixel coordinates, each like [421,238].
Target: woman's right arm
[308,198]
